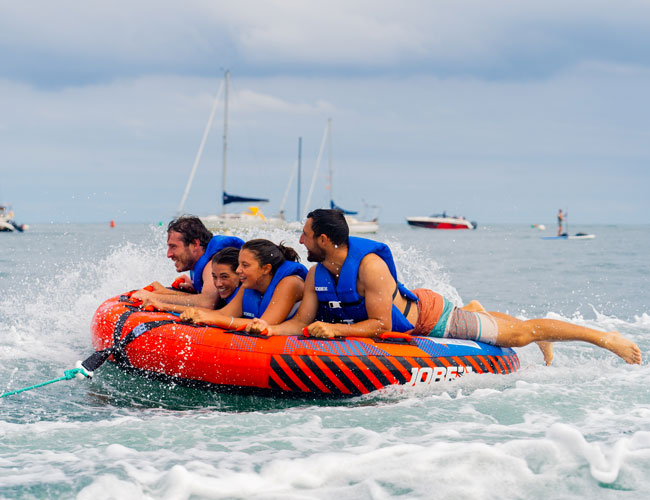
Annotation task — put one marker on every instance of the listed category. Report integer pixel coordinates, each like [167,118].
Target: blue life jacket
[221,303]
[217,243]
[340,302]
[228,299]
[254,303]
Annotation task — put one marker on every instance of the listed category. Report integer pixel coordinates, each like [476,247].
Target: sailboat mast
[225,138]
[329,154]
[197,158]
[299,177]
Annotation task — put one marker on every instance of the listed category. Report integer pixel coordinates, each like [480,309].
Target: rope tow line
[86,368]
[79,372]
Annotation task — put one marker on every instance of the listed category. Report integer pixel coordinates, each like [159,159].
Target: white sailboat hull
[247,221]
[361,227]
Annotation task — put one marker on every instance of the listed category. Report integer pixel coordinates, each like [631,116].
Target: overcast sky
[501,111]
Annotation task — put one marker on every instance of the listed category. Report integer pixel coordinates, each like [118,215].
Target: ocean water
[577,429]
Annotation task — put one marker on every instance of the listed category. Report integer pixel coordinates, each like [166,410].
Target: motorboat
[7,222]
[441,221]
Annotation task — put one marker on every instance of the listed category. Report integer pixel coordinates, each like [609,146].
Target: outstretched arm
[305,314]
[289,291]
[182,283]
[208,297]
[228,317]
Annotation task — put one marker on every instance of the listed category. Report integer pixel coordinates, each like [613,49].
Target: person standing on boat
[190,245]
[353,291]
[560,219]
[272,284]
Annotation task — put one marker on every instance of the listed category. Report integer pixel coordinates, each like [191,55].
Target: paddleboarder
[560,218]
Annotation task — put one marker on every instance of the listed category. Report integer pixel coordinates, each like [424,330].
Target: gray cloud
[74,43]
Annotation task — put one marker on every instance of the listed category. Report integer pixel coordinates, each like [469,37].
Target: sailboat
[254,216]
[355,225]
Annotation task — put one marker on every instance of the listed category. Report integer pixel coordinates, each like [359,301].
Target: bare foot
[547,351]
[622,347]
[473,306]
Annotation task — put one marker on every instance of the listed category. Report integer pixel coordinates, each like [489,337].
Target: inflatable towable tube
[158,344]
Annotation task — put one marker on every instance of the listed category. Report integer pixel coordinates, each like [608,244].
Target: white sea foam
[605,462]
[577,429]
[418,270]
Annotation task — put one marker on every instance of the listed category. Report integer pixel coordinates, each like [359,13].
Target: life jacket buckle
[334,304]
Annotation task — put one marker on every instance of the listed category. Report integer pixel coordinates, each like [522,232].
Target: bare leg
[517,333]
[545,346]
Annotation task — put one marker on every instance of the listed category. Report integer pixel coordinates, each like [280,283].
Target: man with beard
[353,292]
[357,299]
[191,246]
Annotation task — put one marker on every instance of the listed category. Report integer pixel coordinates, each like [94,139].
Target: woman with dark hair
[272,284]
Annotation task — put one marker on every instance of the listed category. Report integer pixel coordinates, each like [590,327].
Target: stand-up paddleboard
[565,236]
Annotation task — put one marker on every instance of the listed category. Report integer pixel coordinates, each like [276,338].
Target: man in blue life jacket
[353,289]
[191,246]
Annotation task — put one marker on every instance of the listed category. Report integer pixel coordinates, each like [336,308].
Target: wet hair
[228,256]
[267,252]
[331,223]
[190,228]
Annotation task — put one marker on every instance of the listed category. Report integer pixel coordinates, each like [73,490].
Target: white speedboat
[441,221]
[7,223]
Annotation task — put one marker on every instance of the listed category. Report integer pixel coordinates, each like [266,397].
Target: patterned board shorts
[456,323]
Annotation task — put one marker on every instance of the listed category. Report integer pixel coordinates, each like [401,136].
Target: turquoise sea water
[578,429]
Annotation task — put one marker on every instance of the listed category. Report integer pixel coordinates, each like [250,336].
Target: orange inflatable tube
[158,344]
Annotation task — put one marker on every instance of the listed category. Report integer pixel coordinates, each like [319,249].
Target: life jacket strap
[407,308]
